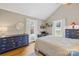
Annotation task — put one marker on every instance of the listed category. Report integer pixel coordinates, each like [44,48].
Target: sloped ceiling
[37,10]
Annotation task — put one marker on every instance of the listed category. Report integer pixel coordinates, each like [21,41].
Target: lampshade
[73,23]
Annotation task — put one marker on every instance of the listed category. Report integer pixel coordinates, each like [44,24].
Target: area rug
[31,54]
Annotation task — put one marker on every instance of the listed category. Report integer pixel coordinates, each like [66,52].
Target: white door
[58,28]
[31,29]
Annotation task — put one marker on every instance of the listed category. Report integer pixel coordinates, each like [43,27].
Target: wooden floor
[23,51]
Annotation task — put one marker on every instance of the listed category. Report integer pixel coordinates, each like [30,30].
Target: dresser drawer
[2,50]
[3,45]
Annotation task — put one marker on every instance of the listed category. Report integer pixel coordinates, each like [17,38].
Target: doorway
[31,29]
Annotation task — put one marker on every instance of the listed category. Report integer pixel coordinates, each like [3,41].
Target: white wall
[68,12]
[10,20]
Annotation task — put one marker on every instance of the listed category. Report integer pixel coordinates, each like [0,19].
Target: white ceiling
[37,10]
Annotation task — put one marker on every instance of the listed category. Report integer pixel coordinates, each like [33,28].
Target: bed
[52,46]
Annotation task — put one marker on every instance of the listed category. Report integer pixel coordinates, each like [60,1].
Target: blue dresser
[12,42]
[72,33]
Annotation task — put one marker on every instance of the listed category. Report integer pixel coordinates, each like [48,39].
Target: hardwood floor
[23,51]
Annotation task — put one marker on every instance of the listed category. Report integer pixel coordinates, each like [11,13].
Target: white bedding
[52,46]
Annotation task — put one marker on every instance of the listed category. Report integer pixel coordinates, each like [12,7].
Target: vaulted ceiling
[37,10]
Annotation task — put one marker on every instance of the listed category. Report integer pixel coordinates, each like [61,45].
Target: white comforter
[52,46]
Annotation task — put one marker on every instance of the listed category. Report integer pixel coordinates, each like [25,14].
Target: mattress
[53,46]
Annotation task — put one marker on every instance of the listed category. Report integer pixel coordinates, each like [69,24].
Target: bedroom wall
[10,21]
[68,12]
